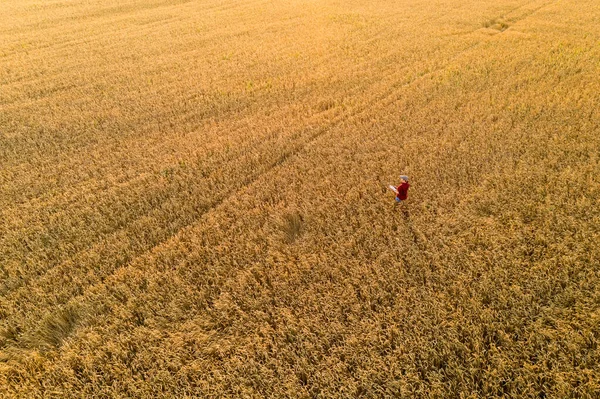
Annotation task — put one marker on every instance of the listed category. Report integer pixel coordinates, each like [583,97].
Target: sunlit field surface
[193,198]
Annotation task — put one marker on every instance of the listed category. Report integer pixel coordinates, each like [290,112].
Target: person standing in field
[402,189]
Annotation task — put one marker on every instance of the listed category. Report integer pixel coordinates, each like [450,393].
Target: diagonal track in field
[26,290]
[289,154]
[232,273]
[227,275]
[71,261]
[509,12]
[385,96]
[356,89]
[531,12]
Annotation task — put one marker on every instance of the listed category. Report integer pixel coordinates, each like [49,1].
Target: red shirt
[403,191]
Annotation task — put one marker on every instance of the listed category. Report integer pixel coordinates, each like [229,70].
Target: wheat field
[193,199]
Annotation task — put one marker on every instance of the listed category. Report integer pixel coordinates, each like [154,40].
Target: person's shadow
[405,212]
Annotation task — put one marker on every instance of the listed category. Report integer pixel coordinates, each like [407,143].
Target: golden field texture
[193,198]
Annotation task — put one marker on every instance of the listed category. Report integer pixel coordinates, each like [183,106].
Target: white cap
[404,177]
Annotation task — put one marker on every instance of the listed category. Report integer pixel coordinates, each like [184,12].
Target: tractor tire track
[140,262]
[158,205]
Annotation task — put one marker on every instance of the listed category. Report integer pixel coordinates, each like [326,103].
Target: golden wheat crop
[193,198]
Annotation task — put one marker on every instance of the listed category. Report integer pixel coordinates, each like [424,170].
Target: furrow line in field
[159,205]
[282,159]
[231,156]
[356,88]
[512,10]
[226,276]
[389,96]
[324,131]
[231,274]
[531,12]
